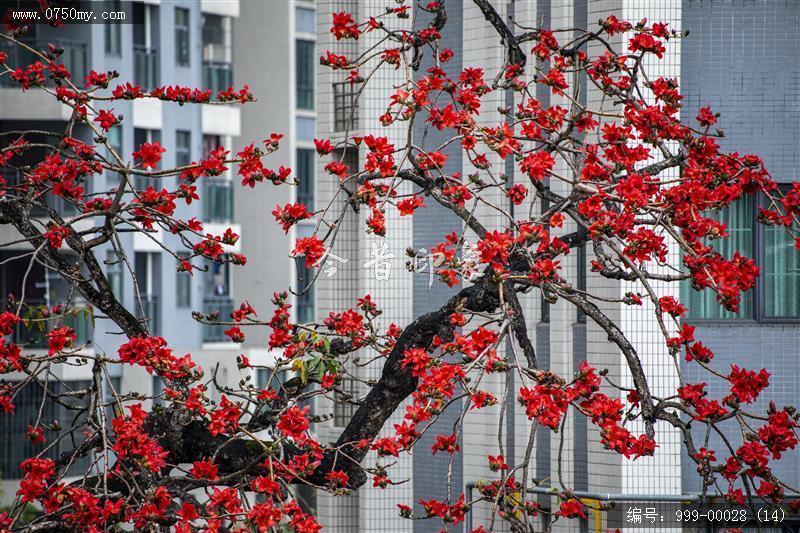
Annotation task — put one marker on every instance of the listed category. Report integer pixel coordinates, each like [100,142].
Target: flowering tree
[196,464]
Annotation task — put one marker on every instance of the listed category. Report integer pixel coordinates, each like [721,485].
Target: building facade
[752,81]
[184,42]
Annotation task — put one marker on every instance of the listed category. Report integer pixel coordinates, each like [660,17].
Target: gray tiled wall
[741,57]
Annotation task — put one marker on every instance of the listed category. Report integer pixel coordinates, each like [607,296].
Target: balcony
[145,66]
[217,76]
[73,58]
[217,304]
[217,200]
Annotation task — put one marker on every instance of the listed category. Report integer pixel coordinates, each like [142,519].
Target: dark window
[780,274]
[183,148]
[777,294]
[740,221]
[345,407]
[345,105]
[148,274]
[545,305]
[305,74]
[145,50]
[580,260]
[217,38]
[305,294]
[158,391]
[217,279]
[210,143]
[114,140]
[15,448]
[182,36]
[183,286]
[217,53]
[113,33]
[217,190]
[305,174]
[265,378]
[115,274]
[141,136]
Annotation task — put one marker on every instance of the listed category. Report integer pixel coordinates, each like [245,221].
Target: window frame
[183,31]
[115,32]
[183,278]
[306,190]
[760,306]
[181,150]
[758,315]
[311,82]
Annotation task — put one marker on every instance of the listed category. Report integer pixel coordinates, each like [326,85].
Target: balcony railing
[73,57]
[218,201]
[145,66]
[217,76]
[222,305]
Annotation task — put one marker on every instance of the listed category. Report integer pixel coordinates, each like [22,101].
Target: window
[217,53]
[183,285]
[264,378]
[182,36]
[114,139]
[305,175]
[305,294]
[780,274]
[148,275]
[777,292]
[217,190]
[159,390]
[217,300]
[113,33]
[580,260]
[345,105]
[141,136]
[114,273]
[217,38]
[145,49]
[740,221]
[218,279]
[305,74]
[345,407]
[183,148]
[15,448]
[304,20]
[306,128]
[543,301]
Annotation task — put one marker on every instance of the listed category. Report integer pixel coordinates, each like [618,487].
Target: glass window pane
[305,300]
[304,20]
[306,128]
[115,273]
[183,286]
[305,174]
[114,139]
[781,274]
[739,218]
[182,36]
[113,36]
[183,148]
[305,74]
